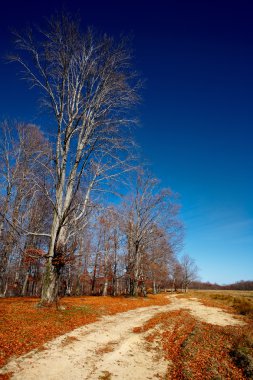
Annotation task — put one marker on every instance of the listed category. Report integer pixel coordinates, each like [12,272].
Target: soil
[108,349]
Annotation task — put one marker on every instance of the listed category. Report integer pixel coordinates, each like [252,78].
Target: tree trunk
[93,284]
[50,281]
[4,287]
[24,287]
[154,287]
[115,285]
[133,287]
[3,283]
[143,289]
[105,287]
[50,284]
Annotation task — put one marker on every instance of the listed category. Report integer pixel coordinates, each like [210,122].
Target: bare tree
[189,271]
[110,238]
[21,147]
[9,168]
[159,255]
[148,206]
[87,83]
[176,275]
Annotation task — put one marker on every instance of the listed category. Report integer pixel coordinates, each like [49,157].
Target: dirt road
[108,349]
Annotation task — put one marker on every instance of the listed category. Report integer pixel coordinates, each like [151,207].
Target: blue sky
[196,116]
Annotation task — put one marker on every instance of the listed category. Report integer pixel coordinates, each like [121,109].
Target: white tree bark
[89,86]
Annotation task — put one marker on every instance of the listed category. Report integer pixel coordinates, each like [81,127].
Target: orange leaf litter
[25,327]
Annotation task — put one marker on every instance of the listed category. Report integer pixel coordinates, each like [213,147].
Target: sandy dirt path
[108,349]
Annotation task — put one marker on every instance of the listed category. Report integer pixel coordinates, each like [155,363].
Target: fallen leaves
[197,350]
[25,327]
[68,340]
[109,347]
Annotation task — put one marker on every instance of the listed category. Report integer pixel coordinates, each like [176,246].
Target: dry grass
[240,301]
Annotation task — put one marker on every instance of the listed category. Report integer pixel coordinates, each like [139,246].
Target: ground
[133,345]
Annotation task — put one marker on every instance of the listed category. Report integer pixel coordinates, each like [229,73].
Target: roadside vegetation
[239,301]
[237,342]
[199,350]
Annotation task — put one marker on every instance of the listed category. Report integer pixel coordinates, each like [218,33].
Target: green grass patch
[80,309]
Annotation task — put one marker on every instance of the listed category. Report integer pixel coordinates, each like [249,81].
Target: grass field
[235,293]
[239,300]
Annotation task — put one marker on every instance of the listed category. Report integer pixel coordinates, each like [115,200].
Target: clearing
[111,349]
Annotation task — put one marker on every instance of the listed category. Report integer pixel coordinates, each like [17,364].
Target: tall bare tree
[87,82]
[23,154]
[148,207]
[189,271]
[159,258]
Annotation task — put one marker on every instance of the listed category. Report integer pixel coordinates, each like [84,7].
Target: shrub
[243,360]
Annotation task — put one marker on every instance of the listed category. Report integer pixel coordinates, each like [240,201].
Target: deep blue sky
[196,116]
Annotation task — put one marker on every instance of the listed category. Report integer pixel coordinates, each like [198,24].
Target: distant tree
[189,271]
[89,86]
[111,237]
[159,255]
[176,275]
[148,206]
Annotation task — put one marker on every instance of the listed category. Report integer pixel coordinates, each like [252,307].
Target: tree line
[239,285]
[79,214]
